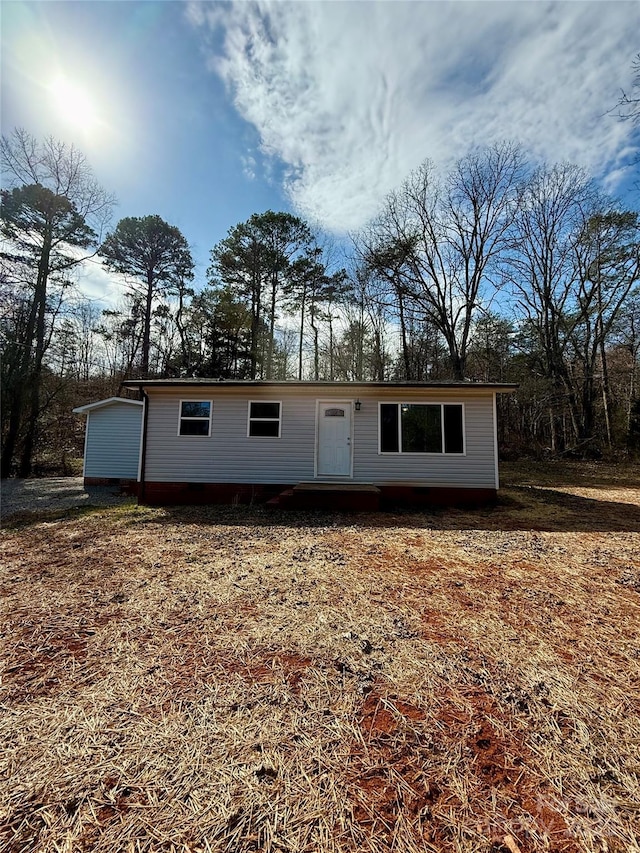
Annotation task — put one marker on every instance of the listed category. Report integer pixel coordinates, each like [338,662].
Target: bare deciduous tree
[437,240]
[628,106]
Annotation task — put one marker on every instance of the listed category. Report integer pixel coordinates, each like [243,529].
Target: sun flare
[73,103]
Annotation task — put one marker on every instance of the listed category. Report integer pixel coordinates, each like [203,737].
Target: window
[195,417]
[264,420]
[421,428]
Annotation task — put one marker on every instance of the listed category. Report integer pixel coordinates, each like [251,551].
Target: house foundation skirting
[165,494]
[126,486]
[430,496]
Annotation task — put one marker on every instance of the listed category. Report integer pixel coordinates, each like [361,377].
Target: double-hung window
[264,419]
[195,417]
[421,428]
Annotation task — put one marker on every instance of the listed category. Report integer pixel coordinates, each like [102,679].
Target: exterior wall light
[358,405]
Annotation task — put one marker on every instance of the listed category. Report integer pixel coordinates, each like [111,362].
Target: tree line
[493,270]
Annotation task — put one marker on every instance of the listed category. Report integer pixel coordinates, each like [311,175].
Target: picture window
[421,428]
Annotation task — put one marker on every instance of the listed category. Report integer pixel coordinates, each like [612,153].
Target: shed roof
[110,401]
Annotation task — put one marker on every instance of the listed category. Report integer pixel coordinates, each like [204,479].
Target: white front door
[334,439]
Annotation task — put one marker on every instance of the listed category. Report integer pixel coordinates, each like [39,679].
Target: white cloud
[249,166]
[104,289]
[352,96]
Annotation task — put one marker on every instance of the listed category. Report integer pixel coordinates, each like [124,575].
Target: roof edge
[505,387]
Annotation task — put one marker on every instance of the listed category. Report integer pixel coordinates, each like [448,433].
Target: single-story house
[341,443]
[112,442]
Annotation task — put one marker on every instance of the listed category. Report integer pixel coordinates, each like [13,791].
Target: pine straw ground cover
[228,679]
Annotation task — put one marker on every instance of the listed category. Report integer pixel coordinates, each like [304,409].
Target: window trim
[400,451]
[181,418]
[277,420]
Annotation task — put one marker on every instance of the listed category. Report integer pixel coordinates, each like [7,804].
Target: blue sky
[205,113]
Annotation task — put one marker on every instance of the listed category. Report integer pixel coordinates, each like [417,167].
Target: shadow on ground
[519,507]
[524,508]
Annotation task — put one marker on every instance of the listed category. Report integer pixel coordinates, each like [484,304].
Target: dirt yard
[229,679]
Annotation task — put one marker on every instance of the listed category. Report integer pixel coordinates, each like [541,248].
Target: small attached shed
[112,442]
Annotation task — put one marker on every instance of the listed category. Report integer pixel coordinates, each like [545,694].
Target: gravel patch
[54,493]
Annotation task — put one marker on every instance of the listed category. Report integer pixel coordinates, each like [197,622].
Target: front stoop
[352,497]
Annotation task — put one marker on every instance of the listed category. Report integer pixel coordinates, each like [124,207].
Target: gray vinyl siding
[229,456]
[475,468]
[112,446]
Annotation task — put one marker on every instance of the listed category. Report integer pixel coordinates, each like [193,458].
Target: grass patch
[570,473]
[27,518]
[227,679]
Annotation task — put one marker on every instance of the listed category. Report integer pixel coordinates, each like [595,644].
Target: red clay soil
[391,778]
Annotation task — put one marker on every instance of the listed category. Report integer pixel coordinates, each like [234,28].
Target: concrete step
[350,497]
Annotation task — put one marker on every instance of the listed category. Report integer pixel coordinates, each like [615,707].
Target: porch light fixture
[358,405]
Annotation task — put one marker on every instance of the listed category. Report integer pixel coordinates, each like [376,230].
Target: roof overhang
[497,387]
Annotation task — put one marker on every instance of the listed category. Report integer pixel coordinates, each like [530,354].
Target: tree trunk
[587,431]
[606,388]
[31,373]
[300,345]
[26,459]
[11,438]
[331,371]
[255,326]
[457,365]
[182,332]
[35,376]
[146,331]
[316,355]
[272,326]
[405,344]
